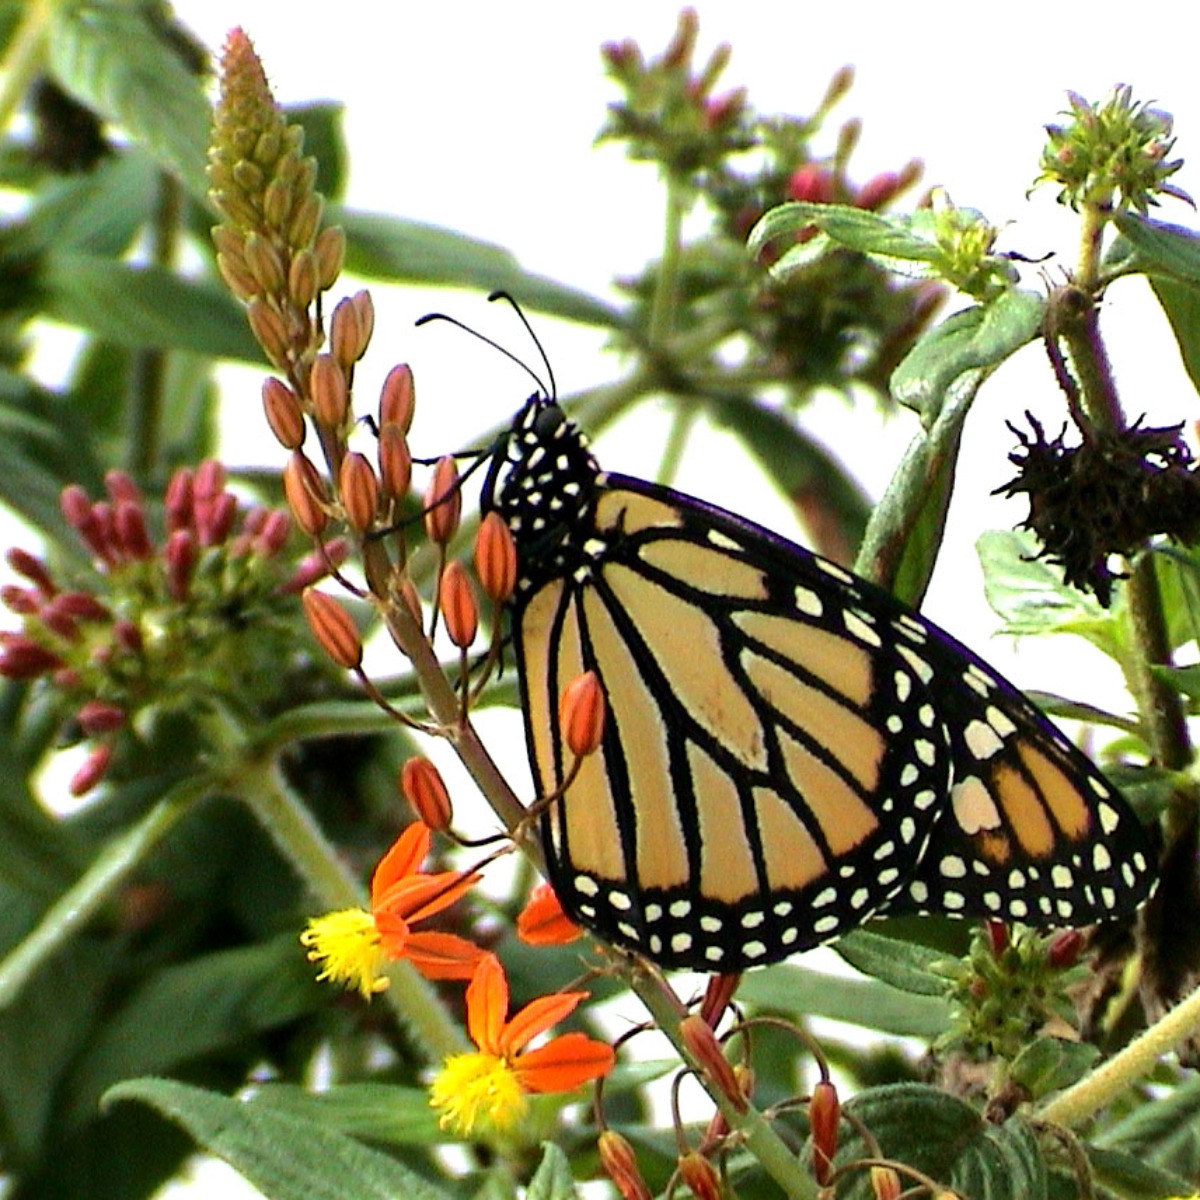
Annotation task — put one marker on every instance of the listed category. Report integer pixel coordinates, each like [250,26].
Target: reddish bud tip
[98,716]
[129,525]
[824,1115]
[271,538]
[457,601]
[718,994]
[496,558]
[621,1166]
[398,398]
[128,636]
[215,519]
[997,935]
[581,711]
[877,191]
[33,569]
[334,628]
[92,770]
[702,1044]
[83,606]
[359,491]
[700,1175]
[395,461]
[811,183]
[179,556]
[22,601]
[178,501]
[1065,948]
[443,502]
[21,658]
[423,787]
[120,487]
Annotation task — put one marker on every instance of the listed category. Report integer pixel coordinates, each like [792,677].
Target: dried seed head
[334,628]
[329,391]
[283,412]
[824,1114]
[359,492]
[702,1044]
[443,502]
[306,495]
[457,601]
[423,787]
[395,461]
[621,1166]
[496,558]
[397,398]
[581,711]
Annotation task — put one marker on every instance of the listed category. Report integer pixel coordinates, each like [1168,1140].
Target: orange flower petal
[563,1063]
[536,1016]
[443,955]
[421,896]
[487,1004]
[404,858]
[542,921]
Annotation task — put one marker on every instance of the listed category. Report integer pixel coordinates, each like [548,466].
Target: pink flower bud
[97,716]
[92,770]
[179,500]
[179,556]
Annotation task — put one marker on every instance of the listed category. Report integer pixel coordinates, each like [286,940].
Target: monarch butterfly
[788,749]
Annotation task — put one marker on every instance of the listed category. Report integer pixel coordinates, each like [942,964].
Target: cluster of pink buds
[110,648]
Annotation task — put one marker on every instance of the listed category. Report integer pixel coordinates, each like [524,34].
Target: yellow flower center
[348,943]
[477,1088]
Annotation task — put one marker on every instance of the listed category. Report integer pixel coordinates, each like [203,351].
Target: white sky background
[480,117]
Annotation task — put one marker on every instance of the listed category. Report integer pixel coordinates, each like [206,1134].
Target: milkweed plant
[242,910]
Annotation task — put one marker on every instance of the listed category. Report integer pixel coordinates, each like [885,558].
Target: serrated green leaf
[948,1140]
[973,340]
[285,1157]
[108,56]
[379,246]
[552,1180]
[904,965]
[372,1112]
[870,1003]
[145,306]
[1048,1064]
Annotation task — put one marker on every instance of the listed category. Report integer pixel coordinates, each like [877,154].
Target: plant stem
[663,304]
[24,57]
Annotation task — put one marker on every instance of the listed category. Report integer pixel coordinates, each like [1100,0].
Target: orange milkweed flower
[489,1086]
[542,921]
[355,945]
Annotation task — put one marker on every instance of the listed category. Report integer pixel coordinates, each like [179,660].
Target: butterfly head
[542,481]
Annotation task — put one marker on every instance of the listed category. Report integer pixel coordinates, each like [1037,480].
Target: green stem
[1108,1081]
[681,425]
[259,782]
[107,873]
[663,304]
[24,57]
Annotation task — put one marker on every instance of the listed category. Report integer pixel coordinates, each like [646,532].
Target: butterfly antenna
[439,316]
[501,294]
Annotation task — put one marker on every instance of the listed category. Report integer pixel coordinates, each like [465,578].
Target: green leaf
[324,140]
[285,1157]
[1132,1178]
[145,306]
[1158,1131]
[1048,1064]
[889,235]
[379,246]
[904,965]
[870,1003]
[948,1140]
[972,340]
[1181,302]
[1029,594]
[1160,248]
[552,1180]
[108,56]
[186,1012]
[371,1112]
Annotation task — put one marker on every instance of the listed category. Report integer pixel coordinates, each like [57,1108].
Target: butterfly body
[788,749]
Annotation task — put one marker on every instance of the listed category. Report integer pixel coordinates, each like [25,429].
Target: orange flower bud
[302,279]
[718,993]
[359,490]
[443,502]
[283,413]
[424,789]
[700,1175]
[824,1114]
[364,305]
[269,330]
[265,264]
[621,1166]
[397,398]
[345,336]
[330,393]
[885,1183]
[305,494]
[333,627]
[330,252]
[581,710]
[703,1046]
[496,558]
[395,461]
[458,605]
